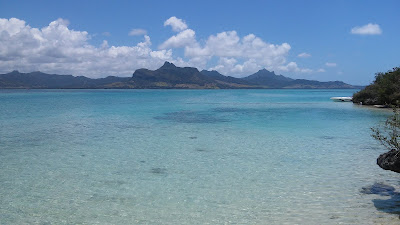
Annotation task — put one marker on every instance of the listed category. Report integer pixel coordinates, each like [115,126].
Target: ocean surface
[191,157]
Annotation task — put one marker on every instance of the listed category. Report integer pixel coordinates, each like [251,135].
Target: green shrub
[385,90]
[389,134]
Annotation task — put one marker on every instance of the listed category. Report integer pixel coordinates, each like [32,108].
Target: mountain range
[167,76]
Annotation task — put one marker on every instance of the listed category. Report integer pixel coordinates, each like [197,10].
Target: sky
[320,40]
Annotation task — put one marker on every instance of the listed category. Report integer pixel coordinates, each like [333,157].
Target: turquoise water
[190,157]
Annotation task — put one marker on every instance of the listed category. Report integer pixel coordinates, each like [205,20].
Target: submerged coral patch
[391,205]
[379,189]
[260,112]
[158,170]
[192,117]
[327,137]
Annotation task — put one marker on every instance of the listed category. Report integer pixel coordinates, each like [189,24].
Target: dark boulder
[390,161]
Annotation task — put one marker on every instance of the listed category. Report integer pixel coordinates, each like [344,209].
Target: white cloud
[369,29]
[104,45]
[303,55]
[250,52]
[176,24]
[321,70]
[330,64]
[293,67]
[225,44]
[182,39]
[137,32]
[58,49]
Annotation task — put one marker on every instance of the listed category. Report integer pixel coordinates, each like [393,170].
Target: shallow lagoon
[191,157]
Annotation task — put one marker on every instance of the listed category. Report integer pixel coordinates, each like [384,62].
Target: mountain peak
[268,78]
[14,72]
[266,71]
[168,65]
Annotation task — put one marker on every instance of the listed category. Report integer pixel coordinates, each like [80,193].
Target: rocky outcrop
[390,161]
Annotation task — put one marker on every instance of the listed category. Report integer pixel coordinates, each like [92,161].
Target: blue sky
[321,40]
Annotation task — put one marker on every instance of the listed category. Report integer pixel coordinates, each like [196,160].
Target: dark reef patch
[158,170]
[276,113]
[191,117]
[327,137]
[229,110]
[379,189]
[128,126]
[391,205]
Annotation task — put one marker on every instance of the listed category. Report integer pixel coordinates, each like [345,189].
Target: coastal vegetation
[385,90]
[389,136]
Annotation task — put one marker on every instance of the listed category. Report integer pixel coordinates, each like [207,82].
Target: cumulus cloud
[369,29]
[176,24]
[236,55]
[137,32]
[303,55]
[293,67]
[58,49]
[231,66]
[250,52]
[330,64]
[182,39]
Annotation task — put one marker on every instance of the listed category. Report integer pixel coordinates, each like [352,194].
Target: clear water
[190,157]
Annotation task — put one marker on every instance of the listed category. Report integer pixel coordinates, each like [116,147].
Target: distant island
[167,76]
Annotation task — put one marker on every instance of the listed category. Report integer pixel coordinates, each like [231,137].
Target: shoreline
[374,107]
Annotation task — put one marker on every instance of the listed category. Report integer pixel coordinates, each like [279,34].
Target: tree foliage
[389,134]
[385,90]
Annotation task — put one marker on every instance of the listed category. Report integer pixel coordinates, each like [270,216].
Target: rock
[390,161]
